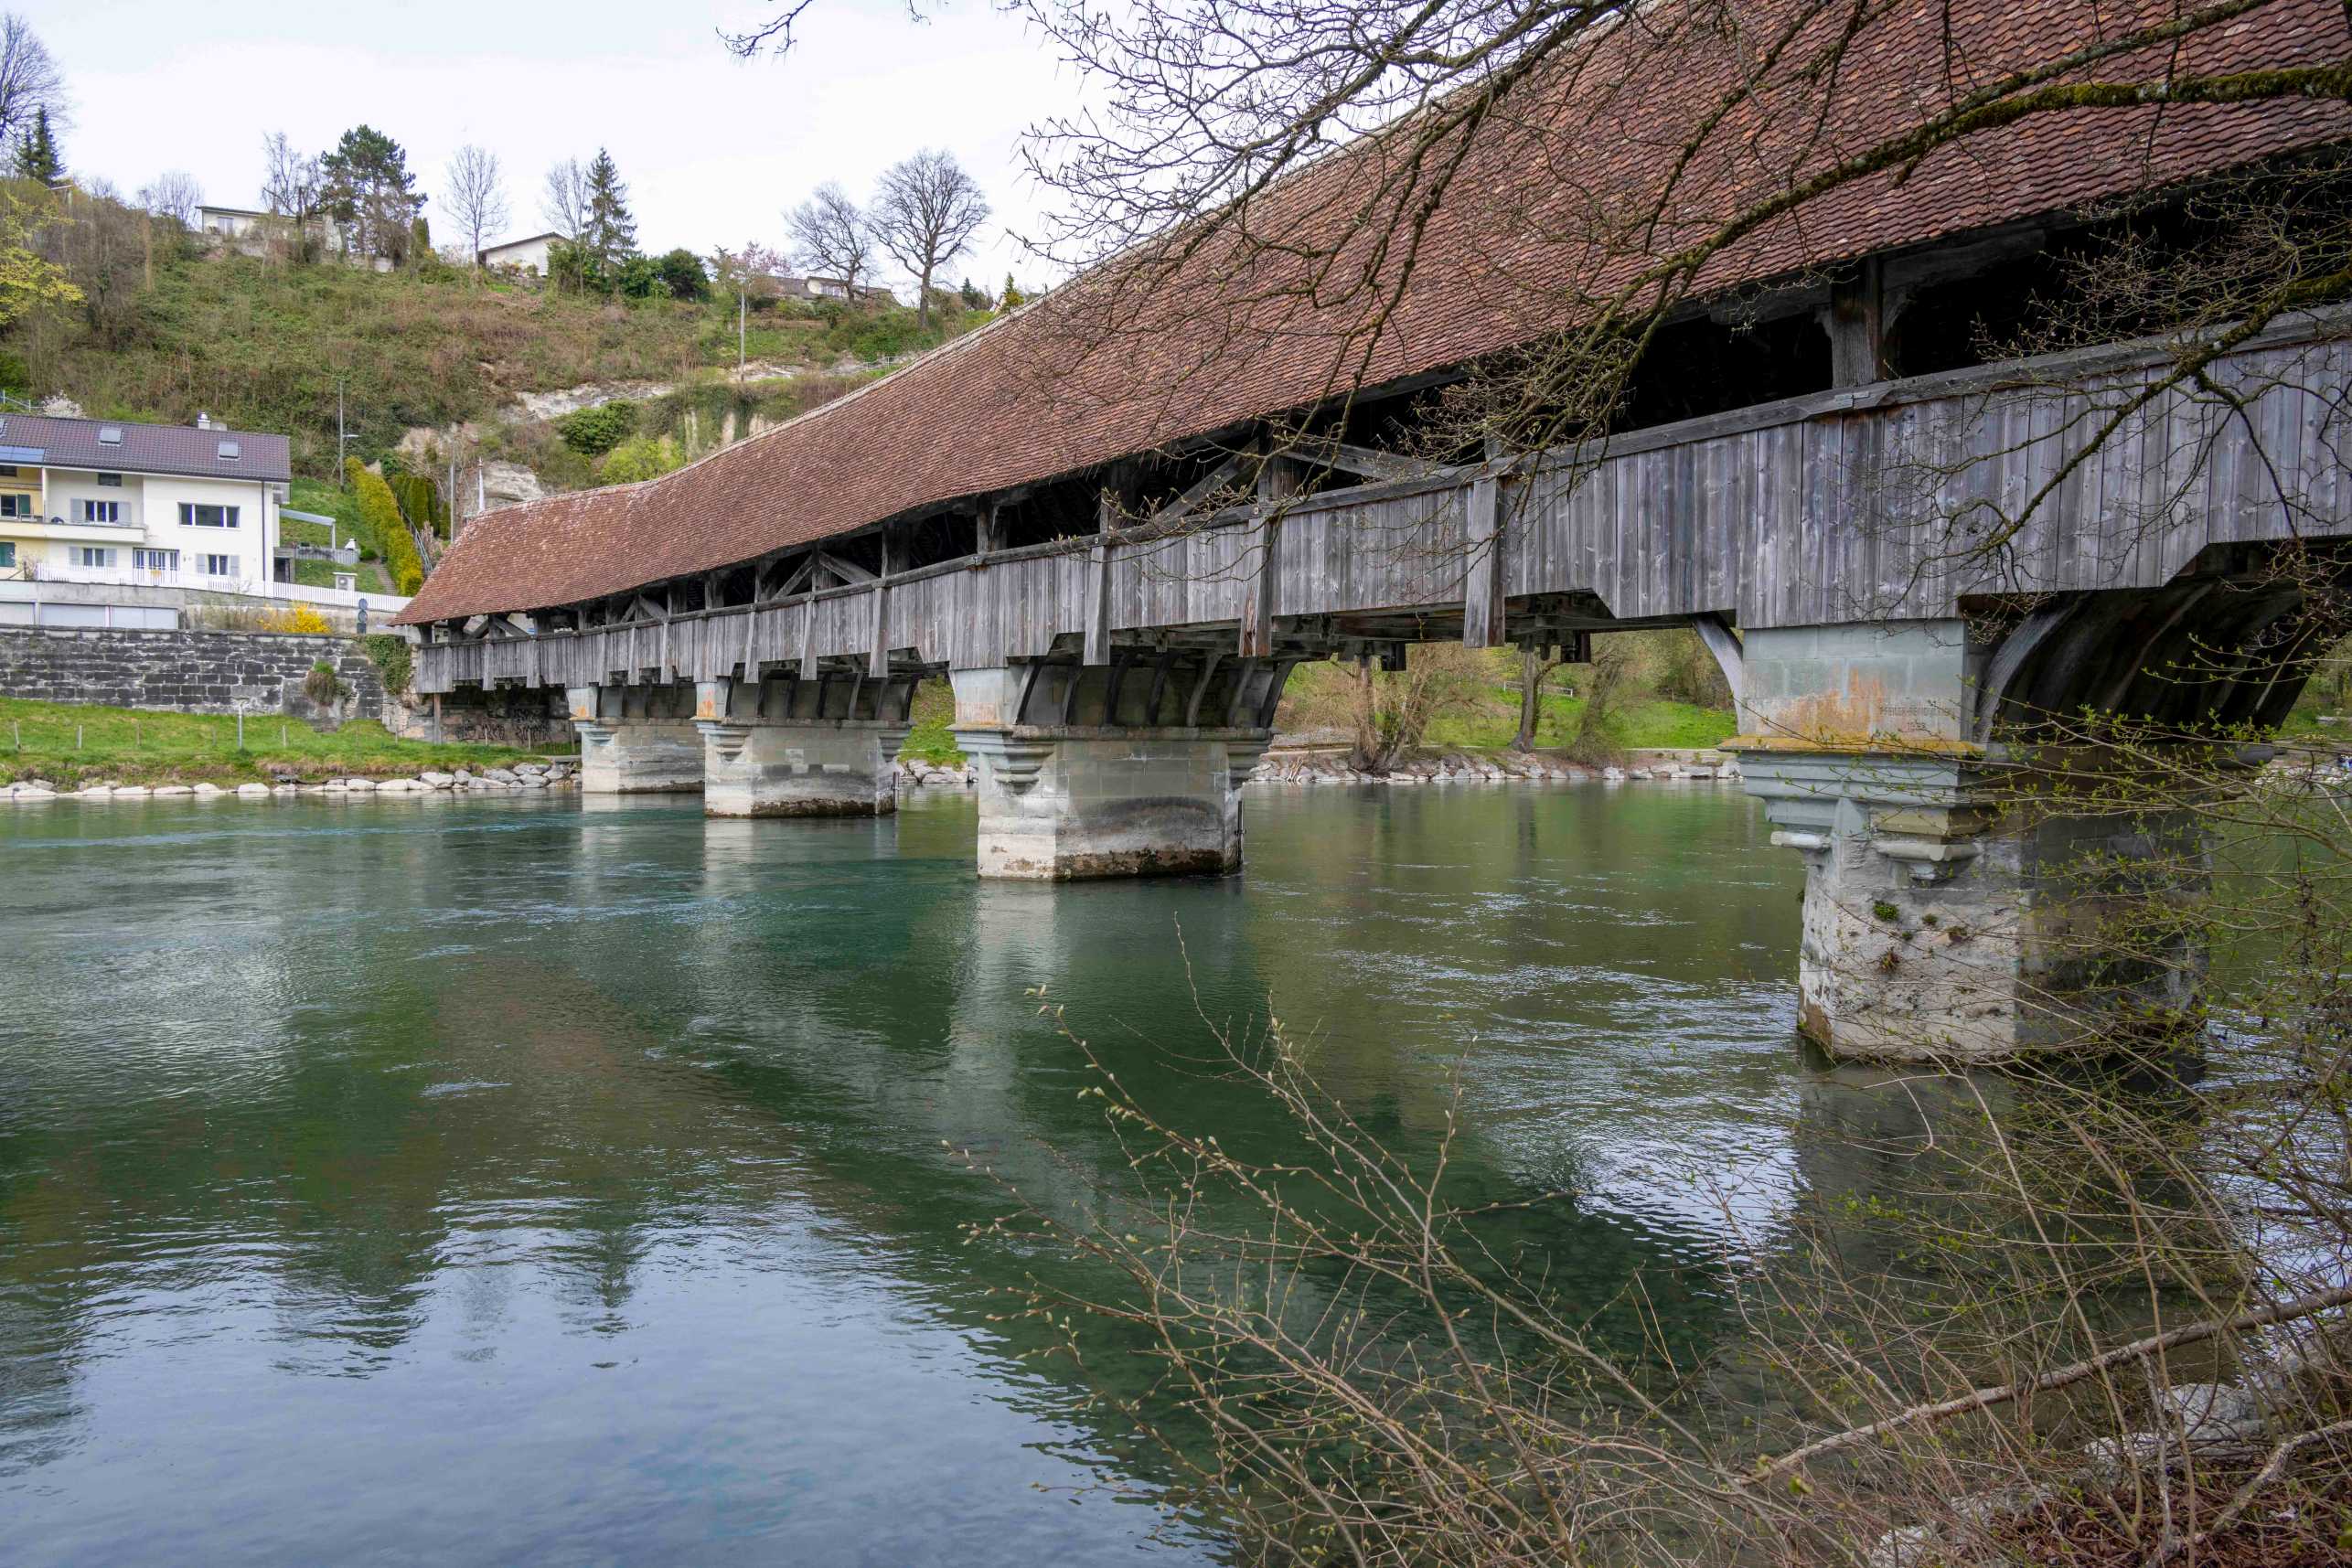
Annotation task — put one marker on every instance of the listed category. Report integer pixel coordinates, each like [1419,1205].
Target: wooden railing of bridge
[2099,469]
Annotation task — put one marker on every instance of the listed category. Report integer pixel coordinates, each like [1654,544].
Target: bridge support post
[801,748]
[1950,915]
[636,739]
[1072,800]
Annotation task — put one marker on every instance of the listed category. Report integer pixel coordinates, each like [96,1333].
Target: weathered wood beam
[1193,495]
[1483,578]
[990,530]
[1098,582]
[878,659]
[1278,479]
[1856,322]
[849,572]
[1208,662]
[1366,461]
[802,574]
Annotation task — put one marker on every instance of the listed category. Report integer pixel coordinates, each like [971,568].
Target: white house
[522,255]
[107,501]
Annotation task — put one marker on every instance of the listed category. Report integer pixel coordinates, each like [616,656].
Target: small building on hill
[529,255]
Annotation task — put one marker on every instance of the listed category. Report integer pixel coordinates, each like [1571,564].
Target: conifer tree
[37,150]
[370,190]
[610,237]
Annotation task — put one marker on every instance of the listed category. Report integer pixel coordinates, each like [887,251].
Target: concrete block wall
[182,672]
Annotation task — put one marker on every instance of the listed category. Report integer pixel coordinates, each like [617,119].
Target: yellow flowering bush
[295,618]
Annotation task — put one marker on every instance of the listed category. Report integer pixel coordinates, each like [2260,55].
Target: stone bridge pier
[1972,895]
[636,739]
[782,746]
[1130,769]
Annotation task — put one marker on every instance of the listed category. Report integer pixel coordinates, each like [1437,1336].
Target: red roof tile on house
[1533,224]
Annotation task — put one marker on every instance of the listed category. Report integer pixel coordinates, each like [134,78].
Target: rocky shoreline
[1300,766]
[1277,767]
[1462,767]
[517,780]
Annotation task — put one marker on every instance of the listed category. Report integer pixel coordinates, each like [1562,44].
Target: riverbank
[1321,765]
[549,775]
[1331,765]
[68,747]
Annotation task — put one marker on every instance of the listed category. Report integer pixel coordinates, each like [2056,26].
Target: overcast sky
[712,148]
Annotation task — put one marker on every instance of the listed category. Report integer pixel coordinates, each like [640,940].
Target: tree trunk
[1533,669]
[923,301]
[1368,751]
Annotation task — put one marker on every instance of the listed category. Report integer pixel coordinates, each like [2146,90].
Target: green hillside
[266,345]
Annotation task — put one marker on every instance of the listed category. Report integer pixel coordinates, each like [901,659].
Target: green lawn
[72,745]
[1639,725]
[931,740]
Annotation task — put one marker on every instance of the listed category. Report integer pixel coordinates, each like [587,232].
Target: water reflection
[522,1182]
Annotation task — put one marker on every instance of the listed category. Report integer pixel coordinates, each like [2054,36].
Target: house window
[219,565]
[109,481]
[7,554]
[8,469]
[195,514]
[102,511]
[96,555]
[156,560]
[15,506]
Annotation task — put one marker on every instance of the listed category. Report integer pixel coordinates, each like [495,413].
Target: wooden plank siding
[1869,503]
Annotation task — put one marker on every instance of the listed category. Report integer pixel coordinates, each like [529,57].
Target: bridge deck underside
[1898,501]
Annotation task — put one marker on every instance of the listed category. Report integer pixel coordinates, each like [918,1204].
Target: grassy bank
[1483,716]
[72,745]
[931,740]
[1651,722]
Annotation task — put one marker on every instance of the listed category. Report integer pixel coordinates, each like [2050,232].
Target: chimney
[203,419]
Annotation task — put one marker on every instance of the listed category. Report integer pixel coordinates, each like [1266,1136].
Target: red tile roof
[1536,217]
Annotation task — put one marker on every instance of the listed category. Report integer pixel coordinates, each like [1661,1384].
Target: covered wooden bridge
[1117,540]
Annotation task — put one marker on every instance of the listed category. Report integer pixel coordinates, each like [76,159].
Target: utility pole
[339,436]
[743,314]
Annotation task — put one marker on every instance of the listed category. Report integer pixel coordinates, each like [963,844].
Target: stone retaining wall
[184,672]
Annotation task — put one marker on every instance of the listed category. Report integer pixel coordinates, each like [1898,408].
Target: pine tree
[369,191]
[610,235]
[36,152]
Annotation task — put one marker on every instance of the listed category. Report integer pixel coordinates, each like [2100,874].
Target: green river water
[549,1183]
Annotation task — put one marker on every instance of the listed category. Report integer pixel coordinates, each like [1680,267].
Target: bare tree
[563,200]
[30,81]
[926,212]
[831,237]
[172,194]
[773,36]
[292,187]
[477,199]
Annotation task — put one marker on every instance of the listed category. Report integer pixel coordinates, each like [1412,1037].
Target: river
[548,1181]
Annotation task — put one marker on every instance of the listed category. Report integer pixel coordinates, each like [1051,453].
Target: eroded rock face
[507,483]
[593,394]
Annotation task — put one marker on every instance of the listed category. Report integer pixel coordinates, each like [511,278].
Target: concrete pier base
[1065,806]
[790,747]
[768,751]
[1107,785]
[1954,913]
[636,739]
